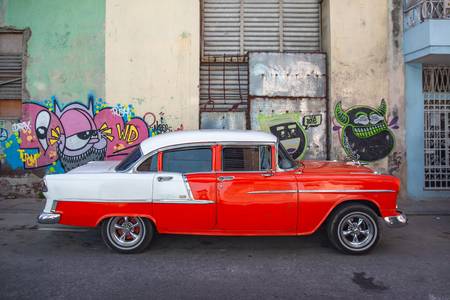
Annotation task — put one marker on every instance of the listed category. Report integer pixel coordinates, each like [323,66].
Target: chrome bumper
[396,221]
[48,218]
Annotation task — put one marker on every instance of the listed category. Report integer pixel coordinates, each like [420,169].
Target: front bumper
[49,218]
[396,221]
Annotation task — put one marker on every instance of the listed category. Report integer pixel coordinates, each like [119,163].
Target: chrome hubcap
[126,232]
[357,230]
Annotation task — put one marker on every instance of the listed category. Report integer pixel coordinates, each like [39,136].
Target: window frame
[141,161]
[250,145]
[186,147]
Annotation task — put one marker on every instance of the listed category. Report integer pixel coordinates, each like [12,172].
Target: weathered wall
[152,59]
[66,47]
[63,58]
[364,68]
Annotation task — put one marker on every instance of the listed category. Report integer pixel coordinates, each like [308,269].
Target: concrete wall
[364,49]
[152,58]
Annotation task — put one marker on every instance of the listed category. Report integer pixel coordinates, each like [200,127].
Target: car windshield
[129,160]
[285,161]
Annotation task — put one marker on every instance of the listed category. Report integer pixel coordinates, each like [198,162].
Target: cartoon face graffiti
[79,140]
[292,137]
[365,134]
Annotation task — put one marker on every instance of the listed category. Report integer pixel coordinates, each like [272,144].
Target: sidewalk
[425,207]
[410,207]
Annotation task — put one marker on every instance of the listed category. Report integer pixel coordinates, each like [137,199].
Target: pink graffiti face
[43,124]
[80,132]
[74,135]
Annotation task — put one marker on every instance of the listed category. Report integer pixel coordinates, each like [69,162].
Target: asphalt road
[37,262]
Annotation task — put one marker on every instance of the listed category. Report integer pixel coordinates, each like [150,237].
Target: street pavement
[57,262]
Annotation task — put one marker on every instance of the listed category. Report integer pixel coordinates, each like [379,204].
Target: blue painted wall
[427,38]
[415,136]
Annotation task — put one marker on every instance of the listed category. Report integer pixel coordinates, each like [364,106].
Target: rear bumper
[396,221]
[49,218]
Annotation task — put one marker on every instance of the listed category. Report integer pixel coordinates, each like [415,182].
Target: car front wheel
[127,234]
[353,229]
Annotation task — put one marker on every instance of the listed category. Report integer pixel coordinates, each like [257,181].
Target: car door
[253,197]
[184,190]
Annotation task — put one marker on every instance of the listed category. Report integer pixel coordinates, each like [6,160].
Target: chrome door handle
[164,178]
[267,174]
[225,178]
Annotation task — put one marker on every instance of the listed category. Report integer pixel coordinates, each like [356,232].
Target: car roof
[205,136]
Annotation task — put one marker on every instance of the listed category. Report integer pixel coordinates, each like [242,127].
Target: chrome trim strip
[274,192]
[346,191]
[184,201]
[108,200]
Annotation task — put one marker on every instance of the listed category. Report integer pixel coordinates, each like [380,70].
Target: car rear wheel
[127,234]
[354,229]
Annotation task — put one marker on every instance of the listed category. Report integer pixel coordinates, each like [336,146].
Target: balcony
[427,31]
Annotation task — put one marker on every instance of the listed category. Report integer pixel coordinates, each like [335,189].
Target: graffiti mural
[290,133]
[3,134]
[63,137]
[364,131]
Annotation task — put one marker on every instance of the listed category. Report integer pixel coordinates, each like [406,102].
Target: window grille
[436,88]
[11,53]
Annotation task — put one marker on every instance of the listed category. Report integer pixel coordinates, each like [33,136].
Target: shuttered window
[11,57]
[232,28]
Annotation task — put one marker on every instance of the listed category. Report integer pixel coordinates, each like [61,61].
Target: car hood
[96,167]
[317,166]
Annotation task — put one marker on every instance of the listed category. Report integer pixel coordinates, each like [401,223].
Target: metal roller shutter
[232,28]
[11,76]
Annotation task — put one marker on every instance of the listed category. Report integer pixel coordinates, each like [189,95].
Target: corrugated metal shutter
[234,27]
[221,27]
[262,25]
[223,86]
[11,76]
[301,25]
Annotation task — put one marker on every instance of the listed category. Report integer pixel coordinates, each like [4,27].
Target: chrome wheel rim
[357,231]
[126,232]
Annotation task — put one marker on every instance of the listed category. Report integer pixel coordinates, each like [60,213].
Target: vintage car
[222,182]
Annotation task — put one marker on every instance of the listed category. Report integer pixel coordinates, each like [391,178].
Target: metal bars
[10,76]
[436,89]
[224,84]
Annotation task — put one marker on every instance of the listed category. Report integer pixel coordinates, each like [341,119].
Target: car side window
[188,160]
[246,158]
[149,165]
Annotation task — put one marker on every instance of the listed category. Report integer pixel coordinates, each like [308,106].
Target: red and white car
[218,182]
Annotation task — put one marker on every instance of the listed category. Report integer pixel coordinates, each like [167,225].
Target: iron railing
[417,11]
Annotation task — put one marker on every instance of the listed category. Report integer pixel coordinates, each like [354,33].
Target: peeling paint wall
[65,52]
[63,57]
[152,58]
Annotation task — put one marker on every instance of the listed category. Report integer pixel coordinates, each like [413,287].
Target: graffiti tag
[24,126]
[312,121]
[30,160]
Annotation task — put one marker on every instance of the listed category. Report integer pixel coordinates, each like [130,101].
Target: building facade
[89,80]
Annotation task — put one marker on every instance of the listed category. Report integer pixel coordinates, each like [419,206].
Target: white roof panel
[205,136]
